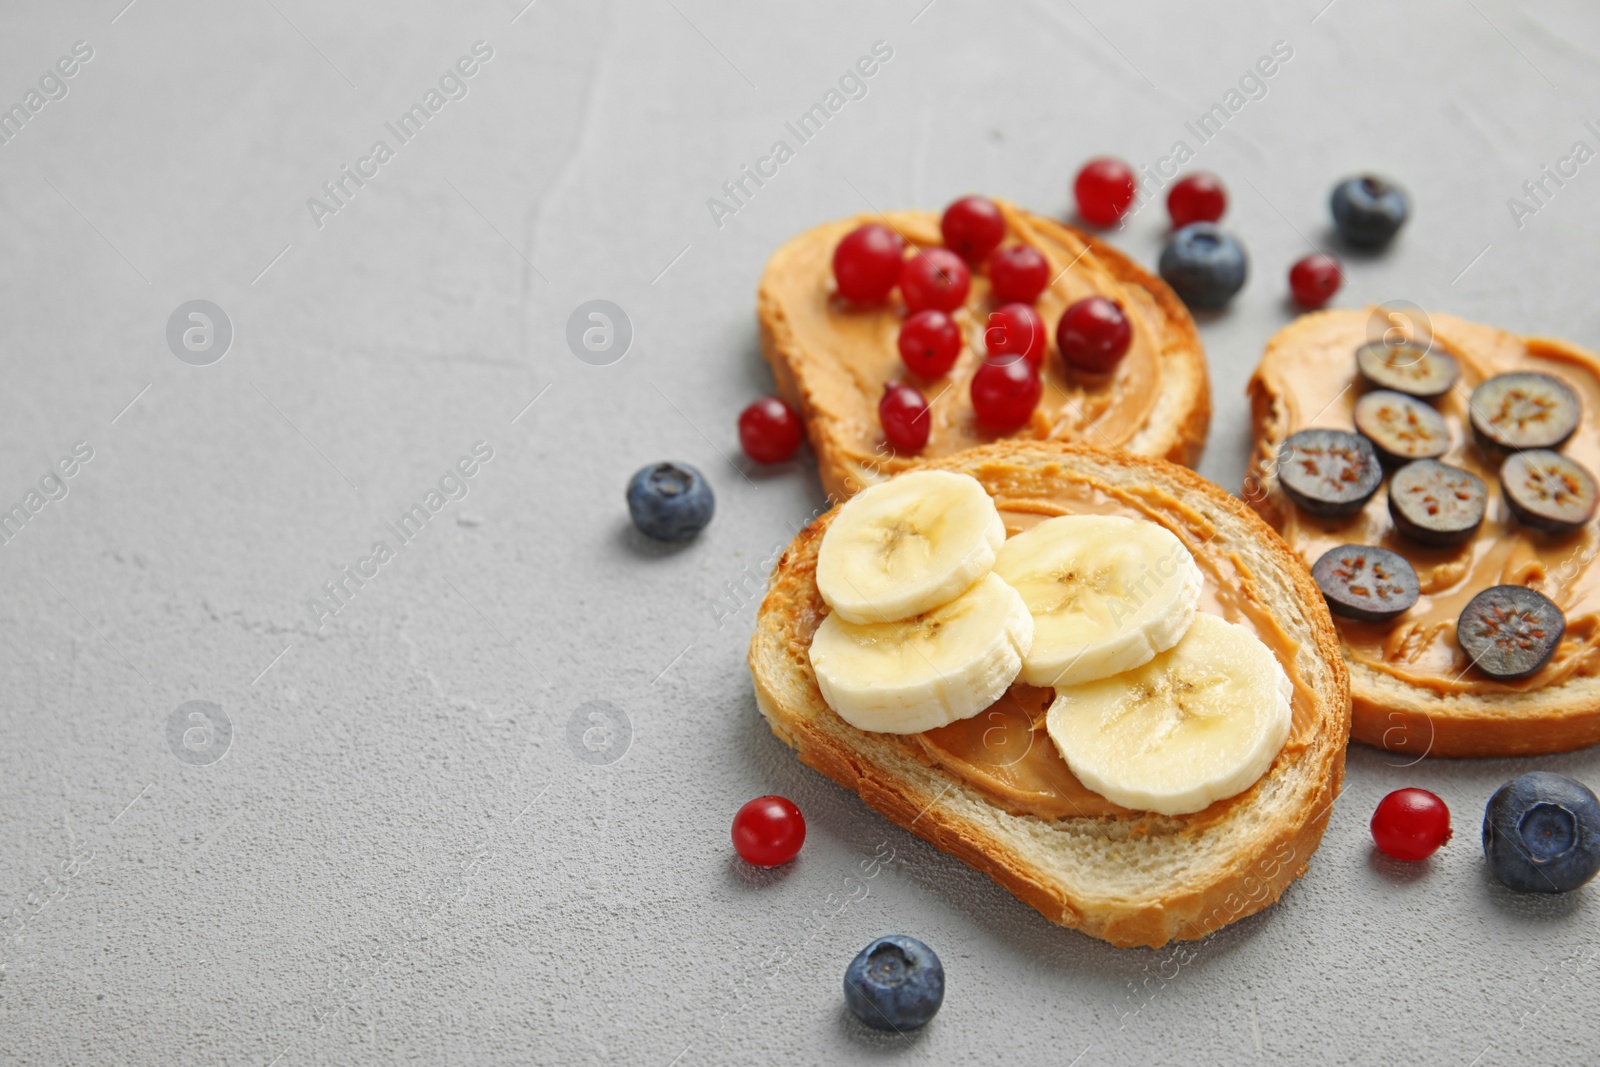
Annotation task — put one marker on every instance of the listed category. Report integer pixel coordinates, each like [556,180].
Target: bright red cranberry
[1314,279]
[770,431]
[768,831]
[1104,188]
[1197,198]
[904,415]
[1410,824]
[1018,274]
[866,264]
[972,227]
[930,341]
[1017,330]
[1004,393]
[935,278]
[1094,335]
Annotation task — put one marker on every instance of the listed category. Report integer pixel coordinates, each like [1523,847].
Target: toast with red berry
[1013,782]
[1438,476]
[852,308]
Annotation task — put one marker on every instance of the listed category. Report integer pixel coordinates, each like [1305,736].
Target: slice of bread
[1555,710]
[831,361]
[1133,878]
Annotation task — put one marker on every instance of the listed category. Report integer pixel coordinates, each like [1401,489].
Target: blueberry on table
[1204,264]
[1541,833]
[1510,631]
[1365,582]
[1400,427]
[1328,473]
[670,501]
[895,983]
[1547,491]
[1368,211]
[1407,368]
[1434,503]
[1523,410]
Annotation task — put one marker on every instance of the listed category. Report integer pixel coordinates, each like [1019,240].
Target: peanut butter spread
[1004,750]
[861,343]
[1314,378]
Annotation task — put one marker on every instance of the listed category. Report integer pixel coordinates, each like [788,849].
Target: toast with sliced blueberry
[994,788]
[1438,475]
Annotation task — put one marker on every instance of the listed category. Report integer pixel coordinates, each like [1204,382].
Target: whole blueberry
[1369,211]
[670,501]
[1541,833]
[1204,264]
[895,983]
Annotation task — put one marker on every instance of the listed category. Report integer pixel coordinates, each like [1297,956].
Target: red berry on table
[1094,335]
[935,278]
[768,831]
[904,414]
[866,264]
[770,431]
[1410,824]
[1197,198]
[1017,330]
[972,227]
[1004,393]
[1314,279]
[930,341]
[1018,273]
[1104,188]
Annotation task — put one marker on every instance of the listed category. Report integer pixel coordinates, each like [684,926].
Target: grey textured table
[409,849]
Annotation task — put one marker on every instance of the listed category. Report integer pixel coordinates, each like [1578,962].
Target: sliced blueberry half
[1365,582]
[1400,427]
[1523,410]
[1407,368]
[1434,503]
[1510,631]
[1328,473]
[1547,491]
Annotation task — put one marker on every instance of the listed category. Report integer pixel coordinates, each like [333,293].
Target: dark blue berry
[895,983]
[1204,265]
[1541,833]
[1369,211]
[670,501]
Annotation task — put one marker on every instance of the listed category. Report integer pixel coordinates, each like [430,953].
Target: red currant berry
[770,431]
[1410,824]
[1017,330]
[1314,279]
[1094,335]
[1197,198]
[904,415]
[935,278]
[1004,393]
[972,227]
[930,341]
[1104,188]
[769,831]
[866,265]
[1018,274]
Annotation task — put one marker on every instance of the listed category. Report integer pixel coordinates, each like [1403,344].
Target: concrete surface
[417,845]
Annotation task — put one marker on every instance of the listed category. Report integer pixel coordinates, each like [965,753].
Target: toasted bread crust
[1389,712]
[844,470]
[1083,872]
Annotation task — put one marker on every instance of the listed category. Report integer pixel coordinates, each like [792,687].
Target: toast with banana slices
[1154,608]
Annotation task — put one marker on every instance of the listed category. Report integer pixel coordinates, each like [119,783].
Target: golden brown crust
[1389,712]
[1085,873]
[843,471]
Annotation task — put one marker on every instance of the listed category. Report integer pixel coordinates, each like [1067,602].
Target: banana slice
[905,546]
[1200,722]
[1107,594]
[927,671]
